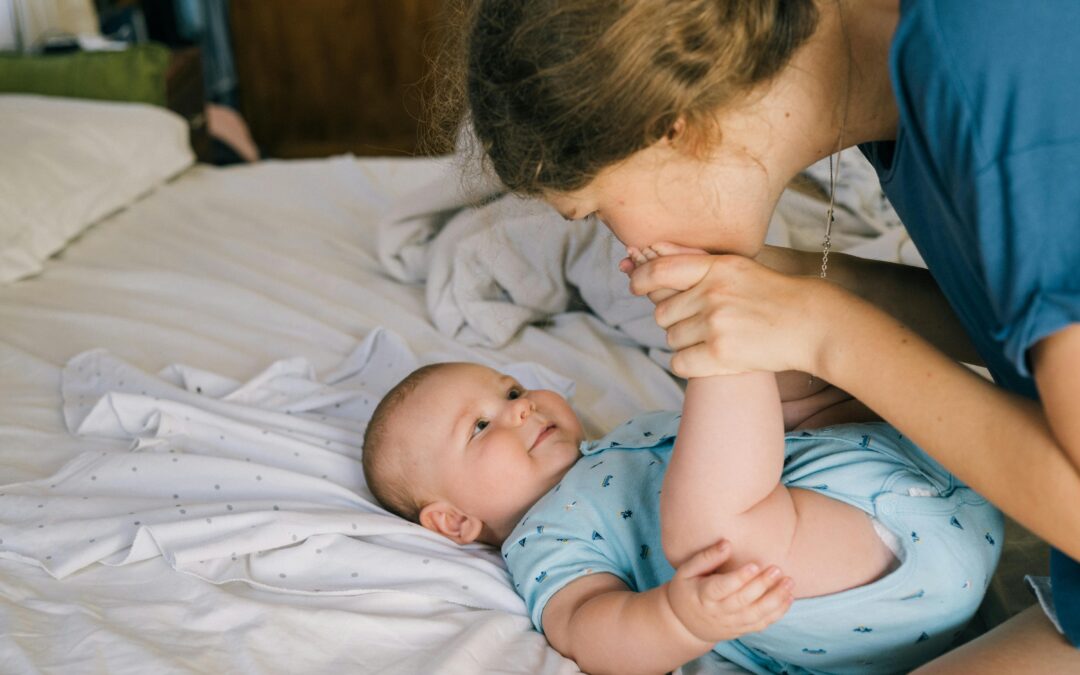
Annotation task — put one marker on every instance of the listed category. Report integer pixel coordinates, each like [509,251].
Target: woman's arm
[1056,362]
[997,442]
[737,315]
[908,293]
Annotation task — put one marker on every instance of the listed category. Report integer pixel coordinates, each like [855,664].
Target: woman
[683,122]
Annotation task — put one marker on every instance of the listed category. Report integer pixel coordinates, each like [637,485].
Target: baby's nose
[521,409]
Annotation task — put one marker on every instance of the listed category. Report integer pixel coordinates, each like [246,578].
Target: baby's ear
[449,521]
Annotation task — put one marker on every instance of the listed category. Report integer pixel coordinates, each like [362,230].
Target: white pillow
[67,163]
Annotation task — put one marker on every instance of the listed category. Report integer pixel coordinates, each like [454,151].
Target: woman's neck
[836,90]
[866,29]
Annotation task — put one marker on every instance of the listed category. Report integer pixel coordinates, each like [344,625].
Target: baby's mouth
[544,433]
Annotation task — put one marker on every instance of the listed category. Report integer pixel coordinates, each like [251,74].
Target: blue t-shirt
[985,174]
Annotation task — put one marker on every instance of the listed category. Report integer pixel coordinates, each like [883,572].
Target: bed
[184,382]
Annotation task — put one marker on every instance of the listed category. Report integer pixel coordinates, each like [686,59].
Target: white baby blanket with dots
[257,482]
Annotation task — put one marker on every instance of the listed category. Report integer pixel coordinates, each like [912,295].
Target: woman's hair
[557,90]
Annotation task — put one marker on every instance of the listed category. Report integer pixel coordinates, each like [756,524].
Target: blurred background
[254,78]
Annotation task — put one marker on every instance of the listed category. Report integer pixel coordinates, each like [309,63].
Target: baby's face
[487,444]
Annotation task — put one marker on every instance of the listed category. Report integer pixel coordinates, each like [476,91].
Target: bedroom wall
[323,77]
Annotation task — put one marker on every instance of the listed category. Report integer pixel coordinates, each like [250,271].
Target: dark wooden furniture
[184,95]
[323,77]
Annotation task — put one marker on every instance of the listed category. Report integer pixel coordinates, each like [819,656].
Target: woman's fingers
[667,248]
[687,333]
[663,294]
[699,360]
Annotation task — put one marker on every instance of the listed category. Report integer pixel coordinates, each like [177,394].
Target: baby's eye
[514,393]
[480,425]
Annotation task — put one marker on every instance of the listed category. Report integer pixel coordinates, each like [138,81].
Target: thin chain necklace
[834,160]
[834,171]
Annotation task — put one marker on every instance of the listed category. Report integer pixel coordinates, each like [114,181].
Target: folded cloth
[405,233]
[258,482]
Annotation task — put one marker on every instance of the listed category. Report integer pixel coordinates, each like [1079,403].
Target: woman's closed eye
[575,219]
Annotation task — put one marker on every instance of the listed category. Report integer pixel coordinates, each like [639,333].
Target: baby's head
[465,450]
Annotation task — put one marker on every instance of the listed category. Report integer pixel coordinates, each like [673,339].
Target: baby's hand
[716,606]
[636,257]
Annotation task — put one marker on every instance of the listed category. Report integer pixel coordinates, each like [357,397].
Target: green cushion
[136,74]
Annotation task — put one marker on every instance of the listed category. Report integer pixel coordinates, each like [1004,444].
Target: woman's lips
[544,433]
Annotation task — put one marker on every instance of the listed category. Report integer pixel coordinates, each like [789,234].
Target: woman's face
[721,204]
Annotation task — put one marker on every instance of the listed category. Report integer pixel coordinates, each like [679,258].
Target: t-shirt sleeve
[548,556]
[1031,250]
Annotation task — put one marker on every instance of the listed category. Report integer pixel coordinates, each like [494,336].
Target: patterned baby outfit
[604,516]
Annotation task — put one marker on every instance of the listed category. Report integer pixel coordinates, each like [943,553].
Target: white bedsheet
[264,282]
[229,272]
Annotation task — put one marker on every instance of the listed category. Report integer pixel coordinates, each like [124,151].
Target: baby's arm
[606,628]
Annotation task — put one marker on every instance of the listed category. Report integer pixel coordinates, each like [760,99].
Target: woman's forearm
[625,633]
[908,293]
[997,442]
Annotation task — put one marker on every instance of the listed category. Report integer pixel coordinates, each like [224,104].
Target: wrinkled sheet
[261,484]
[234,295]
[493,263]
[260,286]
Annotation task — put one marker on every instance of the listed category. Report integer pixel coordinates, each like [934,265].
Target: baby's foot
[663,248]
[639,257]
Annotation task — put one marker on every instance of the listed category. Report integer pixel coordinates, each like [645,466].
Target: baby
[647,548]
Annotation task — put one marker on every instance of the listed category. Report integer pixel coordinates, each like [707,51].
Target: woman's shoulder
[1006,70]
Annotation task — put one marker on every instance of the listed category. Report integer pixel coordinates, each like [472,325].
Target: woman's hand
[716,606]
[734,315]
[636,257]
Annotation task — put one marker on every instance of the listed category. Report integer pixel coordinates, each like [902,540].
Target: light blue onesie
[604,516]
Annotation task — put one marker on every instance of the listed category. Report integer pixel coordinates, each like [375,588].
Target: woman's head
[559,90]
